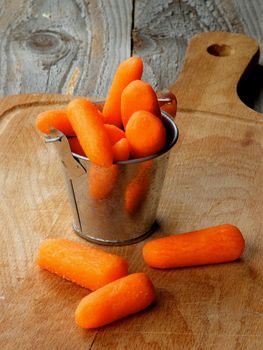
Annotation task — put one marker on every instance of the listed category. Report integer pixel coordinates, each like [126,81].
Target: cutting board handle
[213,65]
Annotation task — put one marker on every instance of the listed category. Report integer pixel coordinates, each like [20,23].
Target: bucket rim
[169,125]
[172,125]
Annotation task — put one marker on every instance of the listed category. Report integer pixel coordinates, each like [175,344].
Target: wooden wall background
[74,46]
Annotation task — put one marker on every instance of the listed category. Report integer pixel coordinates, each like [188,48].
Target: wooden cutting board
[215,176]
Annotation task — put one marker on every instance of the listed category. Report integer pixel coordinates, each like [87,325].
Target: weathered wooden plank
[57,46]
[162,29]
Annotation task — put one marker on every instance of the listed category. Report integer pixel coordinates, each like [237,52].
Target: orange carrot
[145,134]
[56,119]
[114,133]
[89,267]
[90,130]
[138,96]
[121,150]
[169,107]
[118,299]
[101,180]
[136,190]
[75,146]
[212,245]
[128,70]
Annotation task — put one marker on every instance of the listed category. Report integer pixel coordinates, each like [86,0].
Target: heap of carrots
[129,125]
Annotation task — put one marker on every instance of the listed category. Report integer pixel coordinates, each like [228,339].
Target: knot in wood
[45,42]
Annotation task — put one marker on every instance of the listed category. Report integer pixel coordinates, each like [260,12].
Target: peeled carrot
[145,134]
[89,267]
[212,245]
[114,133]
[90,130]
[137,188]
[118,299]
[56,119]
[169,107]
[121,150]
[138,96]
[128,70]
[75,146]
[102,180]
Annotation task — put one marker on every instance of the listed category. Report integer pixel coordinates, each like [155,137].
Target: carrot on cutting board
[145,133]
[114,133]
[118,299]
[56,119]
[75,146]
[89,128]
[102,180]
[128,70]
[212,245]
[121,150]
[138,96]
[89,267]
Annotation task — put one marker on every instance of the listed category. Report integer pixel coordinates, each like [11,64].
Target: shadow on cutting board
[250,87]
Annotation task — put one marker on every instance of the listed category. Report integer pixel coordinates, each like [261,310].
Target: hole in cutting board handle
[220,50]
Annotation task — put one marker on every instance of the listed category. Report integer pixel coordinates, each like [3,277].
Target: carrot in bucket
[56,119]
[128,70]
[114,133]
[102,180]
[89,128]
[137,188]
[145,133]
[121,150]
[75,146]
[170,106]
[138,96]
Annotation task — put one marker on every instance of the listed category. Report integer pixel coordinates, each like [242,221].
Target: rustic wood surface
[214,176]
[73,47]
[62,46]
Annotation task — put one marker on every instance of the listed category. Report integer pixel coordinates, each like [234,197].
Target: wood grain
[214,176]
[163,28]
[44,43]
[75,46]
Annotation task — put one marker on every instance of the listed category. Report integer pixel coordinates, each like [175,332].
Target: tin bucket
[116,205]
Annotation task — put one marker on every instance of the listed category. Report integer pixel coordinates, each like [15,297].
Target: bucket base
[116,242]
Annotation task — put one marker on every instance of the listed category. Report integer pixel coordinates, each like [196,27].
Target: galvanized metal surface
[115,205]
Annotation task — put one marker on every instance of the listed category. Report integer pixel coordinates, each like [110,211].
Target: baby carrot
[75,146]
[102,180]
[121,150]
[114,301]
[56,119]
[89,267]
[90,130]
[145,134]
[114,133]
[128,70]
[137,188]
[138,96]
[169,107]
[212,245]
